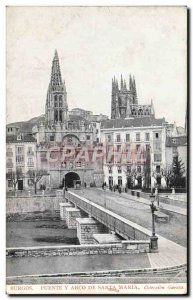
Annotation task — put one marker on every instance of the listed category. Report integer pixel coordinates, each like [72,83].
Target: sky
[94,44]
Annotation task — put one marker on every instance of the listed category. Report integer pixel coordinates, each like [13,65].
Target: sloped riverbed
[38,229]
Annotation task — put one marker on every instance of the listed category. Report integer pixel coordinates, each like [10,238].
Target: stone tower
[56,109]
[122,98]
[124,101]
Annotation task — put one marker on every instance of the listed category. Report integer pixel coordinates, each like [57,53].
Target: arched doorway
[69,178]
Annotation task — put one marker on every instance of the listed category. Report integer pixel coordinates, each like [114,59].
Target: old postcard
[96,150]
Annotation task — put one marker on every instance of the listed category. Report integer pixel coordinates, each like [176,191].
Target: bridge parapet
[120,225]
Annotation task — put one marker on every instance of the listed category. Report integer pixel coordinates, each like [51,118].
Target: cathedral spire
[56,102]
[56,78]
[135,101]
[130,83]
[121,81]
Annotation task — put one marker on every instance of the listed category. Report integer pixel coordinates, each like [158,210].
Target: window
[9,183]
[109,138]
[157,169]
[139,169]
[119,169]
[147,147]
[30,150]
[110,169]
[97,140]
[118,138]
[52,138]
[55,101]
[97,131]
[88,137]
[157,135]
[60,101]
[147,136]
[128,149]
[56,116]
[110,180]
[137,148]
[60,115]
[19,150]
[137,137]
[119,180]
[127,137]
[30,161]
[9,152]
[158,179]
[19,158]
[157,157]
[118,148]
[128,169]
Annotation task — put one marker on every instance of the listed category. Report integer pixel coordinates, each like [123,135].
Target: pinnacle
[56,55]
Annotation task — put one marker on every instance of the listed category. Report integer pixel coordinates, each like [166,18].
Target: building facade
[20,159]
[139,147]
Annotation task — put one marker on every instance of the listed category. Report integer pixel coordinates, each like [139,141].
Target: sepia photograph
[96,150]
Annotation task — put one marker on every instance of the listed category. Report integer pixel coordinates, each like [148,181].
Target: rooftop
[28,138]
[133,122]
[176,141]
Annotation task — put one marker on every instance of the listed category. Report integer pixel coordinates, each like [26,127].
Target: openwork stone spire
[56,102]
[56,78]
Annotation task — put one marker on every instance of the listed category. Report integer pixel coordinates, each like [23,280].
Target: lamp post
[151,168]
[105,197]
[153,238]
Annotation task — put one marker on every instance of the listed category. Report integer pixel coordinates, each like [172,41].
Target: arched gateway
[69,178]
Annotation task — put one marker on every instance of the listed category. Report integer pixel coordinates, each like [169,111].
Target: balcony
[30,164]
[20,163]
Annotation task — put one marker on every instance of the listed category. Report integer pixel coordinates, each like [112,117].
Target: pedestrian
[85,184]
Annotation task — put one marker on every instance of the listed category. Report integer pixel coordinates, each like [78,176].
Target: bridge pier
[63,207]
[72,213]
[86,227]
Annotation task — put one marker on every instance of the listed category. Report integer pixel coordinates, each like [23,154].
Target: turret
[135,101]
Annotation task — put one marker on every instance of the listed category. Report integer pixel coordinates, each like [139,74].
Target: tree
[14,176]
[167,174]
[131,177]
[147,169]
[178,171]
[35,176]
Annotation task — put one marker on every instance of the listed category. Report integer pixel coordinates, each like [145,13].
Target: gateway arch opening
[69,178]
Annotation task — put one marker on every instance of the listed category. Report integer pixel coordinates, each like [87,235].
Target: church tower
[56,103]
[122,98]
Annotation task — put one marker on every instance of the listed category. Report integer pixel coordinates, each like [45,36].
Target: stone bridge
[90,230]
